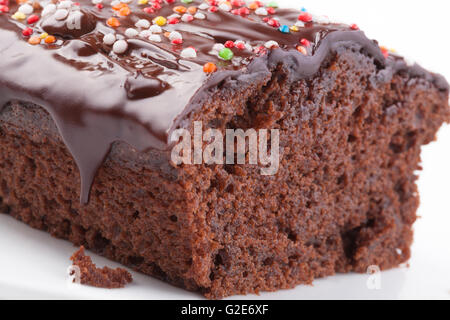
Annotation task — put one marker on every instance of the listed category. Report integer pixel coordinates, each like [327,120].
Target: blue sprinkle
[284,28]
[303,9]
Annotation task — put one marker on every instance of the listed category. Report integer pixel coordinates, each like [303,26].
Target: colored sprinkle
[18,16]
[354,27]
[43,35]
[34,40]
[50,39]
[294,28]
[226,54]
[384,51]
[302,50]
[209,67]
[4,8]
[229,44]
[180,9]
[125,11]
[27,32]
[305,42]
[305,17]
[272,4]
[186,1]
[160,21]
[142,2]
[192,10]
[177,41]
[284,28]
[113,22]
[253,6]
[32,19]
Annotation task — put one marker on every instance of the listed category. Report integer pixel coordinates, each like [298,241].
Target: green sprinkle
[187,1]
[226,54]
[272,4]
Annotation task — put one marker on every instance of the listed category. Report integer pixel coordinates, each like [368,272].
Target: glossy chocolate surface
[97,97]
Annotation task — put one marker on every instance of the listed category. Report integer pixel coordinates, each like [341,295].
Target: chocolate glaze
[97,97]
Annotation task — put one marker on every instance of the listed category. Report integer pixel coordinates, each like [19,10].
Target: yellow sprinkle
[19,16]
[294,28]
[142,2]
[160,21]
[43,35]
[393,50]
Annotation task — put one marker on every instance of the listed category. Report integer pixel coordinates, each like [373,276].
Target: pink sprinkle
[240,45]
[148,10]
[244,11]
[274,23]
[173,21]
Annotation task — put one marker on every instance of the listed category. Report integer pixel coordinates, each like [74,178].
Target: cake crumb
[104,277]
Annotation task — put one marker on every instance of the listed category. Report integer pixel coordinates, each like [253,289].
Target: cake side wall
[344,197]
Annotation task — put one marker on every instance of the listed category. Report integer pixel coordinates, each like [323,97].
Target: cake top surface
[130,70]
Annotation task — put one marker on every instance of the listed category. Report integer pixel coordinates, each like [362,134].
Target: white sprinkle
[187,17]
[218,46]
[224,7]
[109,39]
[188,53]
[175,35]
[61,14]
[300,24]
[155,38]
[200,16]
[66,4]
[203,6]
[115,3]
[120,46]
[131,33]
[271,44]
[321,19]
[25,9]
[48,9]
[145,33]
[143,23]
[155,29]
[175,15]
[261,11]
[126,1]
[248,47]
[97,1]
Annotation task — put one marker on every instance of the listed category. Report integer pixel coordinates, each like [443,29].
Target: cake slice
[91,96]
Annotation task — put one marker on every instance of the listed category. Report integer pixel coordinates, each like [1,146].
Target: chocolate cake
[91,92]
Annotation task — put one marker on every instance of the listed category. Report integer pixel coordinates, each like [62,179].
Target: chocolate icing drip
[97,97]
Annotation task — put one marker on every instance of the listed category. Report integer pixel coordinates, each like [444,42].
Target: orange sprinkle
[166,34]
[113,22]
[119,6]
[21,1]
[50,39]
[180,9]
[209,67]
[253,6]
[125,11]
[192,10]
[34,40]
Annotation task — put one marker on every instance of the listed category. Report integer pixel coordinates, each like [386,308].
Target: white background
[33,265]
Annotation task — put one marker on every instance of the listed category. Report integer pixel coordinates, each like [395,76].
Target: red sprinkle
[270,10]
[173,21]
[4,2]
[170,1]
[244,11]
[384,51]
[213,9]
[148,10]
[354,27]
[27,32]
[240,46]
[99,6]
[212,2]
[229,44]
[4,9]
[32,19]
[177,41]
[235,12]
[274,23]
[237,3]
[305,42]
[305,17]
[156,6]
